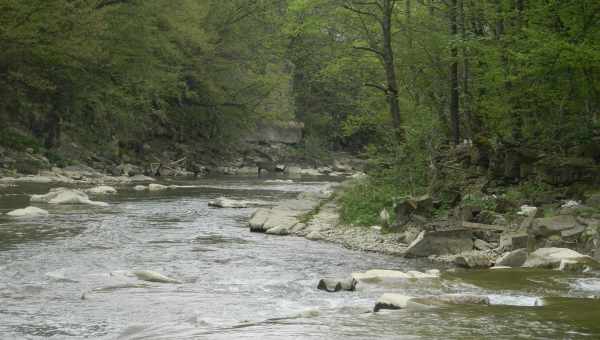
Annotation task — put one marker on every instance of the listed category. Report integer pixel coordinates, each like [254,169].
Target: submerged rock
[383,274]
[66,196]
[336,285]
[140,188]
[223,202]
[152,276]
[552,258]
[400,301]
[102,190]
[28,212]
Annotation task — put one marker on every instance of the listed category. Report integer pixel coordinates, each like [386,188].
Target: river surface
[65,276]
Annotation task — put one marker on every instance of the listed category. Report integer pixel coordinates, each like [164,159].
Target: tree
[382,12]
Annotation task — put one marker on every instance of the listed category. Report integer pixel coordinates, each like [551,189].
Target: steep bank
[274,146]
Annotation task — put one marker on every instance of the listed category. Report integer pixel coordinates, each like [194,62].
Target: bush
[362,202]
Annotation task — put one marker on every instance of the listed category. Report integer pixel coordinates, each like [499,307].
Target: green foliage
[529,192]
[484,202]
[137,69]
[362,202]
[17,140]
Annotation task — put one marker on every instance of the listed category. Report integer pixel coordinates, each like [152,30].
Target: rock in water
[258,219]
[28,212]
[552,258]
[152,276]
[336,285]
[392,301]
[375,275]
[399,301]
[451,299]
[66,196]
[157,187]
[223,202]
[140,188]
[102,190]
[515,258]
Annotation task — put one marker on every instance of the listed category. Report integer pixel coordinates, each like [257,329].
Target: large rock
[407,207]
[553,225]
[28,212]
[336,285]
[552,257]
[66,196]
[258,219]
[515,258]
[441,243]
[280,220]
[400,301]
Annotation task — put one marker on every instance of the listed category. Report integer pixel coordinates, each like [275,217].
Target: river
[60,275]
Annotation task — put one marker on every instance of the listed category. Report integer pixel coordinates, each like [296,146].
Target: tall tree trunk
[466,88]
[53,128]
[390,68]
[454,76]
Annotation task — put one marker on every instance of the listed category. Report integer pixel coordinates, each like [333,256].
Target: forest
[300,169]
[400,83]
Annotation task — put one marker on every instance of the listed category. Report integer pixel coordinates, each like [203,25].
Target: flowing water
[65,276]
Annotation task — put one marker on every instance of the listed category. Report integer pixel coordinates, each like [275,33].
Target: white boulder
[552,258]
[140,188]
[157,187]
[66,196]
[28,212]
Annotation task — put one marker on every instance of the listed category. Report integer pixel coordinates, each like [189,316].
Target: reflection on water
[68,275]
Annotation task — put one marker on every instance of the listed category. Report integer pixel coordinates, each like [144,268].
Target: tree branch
[369,49]
[105,3]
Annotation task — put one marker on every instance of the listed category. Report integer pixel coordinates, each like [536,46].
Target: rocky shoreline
[535,243]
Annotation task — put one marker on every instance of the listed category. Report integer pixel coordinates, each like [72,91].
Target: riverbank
[460,243]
